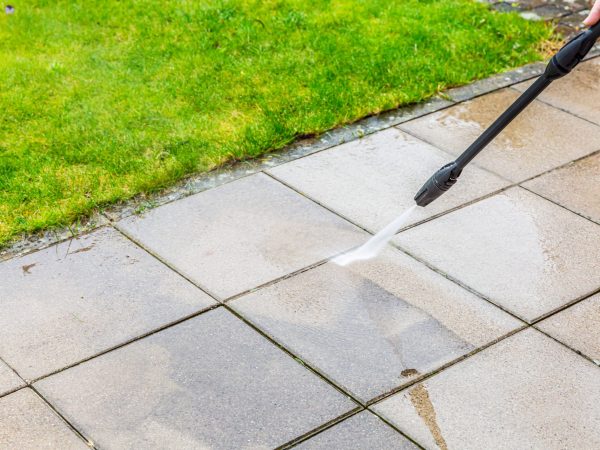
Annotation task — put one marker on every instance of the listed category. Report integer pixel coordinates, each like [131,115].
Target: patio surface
[216,320]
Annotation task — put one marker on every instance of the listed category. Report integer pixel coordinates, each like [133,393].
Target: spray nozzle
[439,183]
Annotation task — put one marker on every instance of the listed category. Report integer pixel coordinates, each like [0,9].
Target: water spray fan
[560,65]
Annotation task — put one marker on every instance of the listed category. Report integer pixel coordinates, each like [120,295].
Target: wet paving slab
[577,93]
[517,249]
[9,380]
[372,180]
[73,300]
[540,139]
[27,422]
[209,382]
[361,431]
[527,391]
[575,186]
[374,326]
[578,326]
[242,234]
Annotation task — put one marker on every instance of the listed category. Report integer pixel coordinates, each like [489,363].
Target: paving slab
[372,180]
[26,422]
[540,139]
[374,326]
[527,391]
[209,382]
[9,381]
[361,431]
[243,234]
[575,186]
[578,327]
[521,251]
[70,301]
[577,93]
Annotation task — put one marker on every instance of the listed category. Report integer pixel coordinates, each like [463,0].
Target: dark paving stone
[209,382]
[539,139]
[374,326]
[362,431]
[71,301]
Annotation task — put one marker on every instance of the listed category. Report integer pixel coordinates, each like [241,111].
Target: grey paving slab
[71,301]
[527,391]
[243,234]
[575,186]
[209,382]
[26,422]
[540,139]
[372,180]
[520,250]
[578,93]
[578,327]
[362,431]
[374,326]
[9,380]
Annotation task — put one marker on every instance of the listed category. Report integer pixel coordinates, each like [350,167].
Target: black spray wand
[561,64]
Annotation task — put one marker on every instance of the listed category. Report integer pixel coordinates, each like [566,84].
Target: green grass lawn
[100,101]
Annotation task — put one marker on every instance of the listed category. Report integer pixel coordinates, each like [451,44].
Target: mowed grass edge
[101,101]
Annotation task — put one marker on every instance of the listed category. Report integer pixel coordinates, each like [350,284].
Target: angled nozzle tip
[440,182]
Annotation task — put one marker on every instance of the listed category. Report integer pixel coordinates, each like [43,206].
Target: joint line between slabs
[90,443]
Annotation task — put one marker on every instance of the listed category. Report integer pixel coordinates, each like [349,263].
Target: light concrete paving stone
[519,250]
[376,325]
[540,139]
[209,382]
[577,93]
[527,391]
[243,234]
[9,381]
[71,301]
[362,431]
[578,327]
[575,186]
[26,422]
[372,180]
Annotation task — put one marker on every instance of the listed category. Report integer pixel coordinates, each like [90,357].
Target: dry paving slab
[73,300]
[578,327]
[519,250]
[527,391]
[243,234]
[575,186]
[209,382]
[9,380]
[27,423]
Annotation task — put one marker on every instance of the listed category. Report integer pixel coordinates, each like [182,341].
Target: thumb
[594,15]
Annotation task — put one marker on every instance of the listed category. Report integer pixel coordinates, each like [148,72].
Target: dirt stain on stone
[409,372]
[83,249]
[26,268]
[419,397]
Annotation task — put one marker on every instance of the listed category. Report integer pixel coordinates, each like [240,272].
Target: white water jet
[377,243]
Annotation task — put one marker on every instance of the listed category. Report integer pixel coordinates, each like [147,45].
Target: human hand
[594,15]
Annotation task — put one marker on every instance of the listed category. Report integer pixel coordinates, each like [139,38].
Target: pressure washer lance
[560,65]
